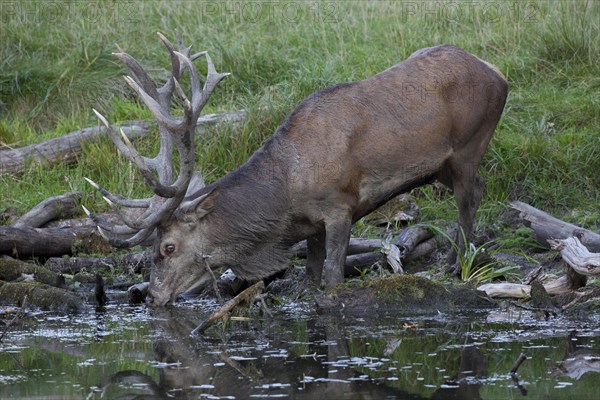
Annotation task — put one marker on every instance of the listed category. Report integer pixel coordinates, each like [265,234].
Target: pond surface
[133,352]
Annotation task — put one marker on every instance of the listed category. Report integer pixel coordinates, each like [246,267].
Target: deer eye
[169,249]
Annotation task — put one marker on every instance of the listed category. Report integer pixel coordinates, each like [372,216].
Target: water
[124,352]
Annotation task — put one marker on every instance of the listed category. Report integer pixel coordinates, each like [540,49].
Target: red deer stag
[342,153]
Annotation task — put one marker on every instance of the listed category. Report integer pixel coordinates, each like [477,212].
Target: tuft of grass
[472,269]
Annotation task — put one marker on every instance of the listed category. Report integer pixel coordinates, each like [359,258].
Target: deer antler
[175,132]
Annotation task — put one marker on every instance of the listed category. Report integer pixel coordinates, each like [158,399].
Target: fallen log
[247,296]
[133,262]
[422,249]
[513,290]
[68,148]
[39,295]
[42,242]
[546,227]
[580,263]
[407,241]
[356,262]
[355,246]
[137,293]
[57,207]
[577,256]
[65,149]
[410,237]
[15,270]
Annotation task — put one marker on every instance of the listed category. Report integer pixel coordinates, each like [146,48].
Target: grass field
[56,64]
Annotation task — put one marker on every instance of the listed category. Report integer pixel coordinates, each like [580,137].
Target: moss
[400,294]
[403,288]
[40,296]
[84,277]
[11,270]
[90,243]
[585,309]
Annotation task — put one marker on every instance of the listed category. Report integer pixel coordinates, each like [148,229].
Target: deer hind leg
[468,189]
[315,257]
[337,236]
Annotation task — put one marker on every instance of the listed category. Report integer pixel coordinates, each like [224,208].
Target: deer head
[176,134]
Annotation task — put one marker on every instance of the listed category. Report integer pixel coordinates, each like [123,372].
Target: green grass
[56,64]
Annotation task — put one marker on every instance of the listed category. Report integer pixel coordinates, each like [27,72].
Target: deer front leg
[337,233]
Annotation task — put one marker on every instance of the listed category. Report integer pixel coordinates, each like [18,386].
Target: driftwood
[134,262]
[355,246]
[580,262]
[410,237]
[546,227]
[15,270]
[57,207]
[68,148]
[517,364]
[137,293]
[577,256]
[358,261]
[65,149]
[57,238]
[576,246]
[414,242]
[39,295]
[247,296]
[40,242]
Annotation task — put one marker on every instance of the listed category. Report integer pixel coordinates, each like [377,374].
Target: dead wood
[42,242]
[575,245]
[137,293]
[133,262]
[68,148]
[577,256]
[517,364]
[546,227]
[247,297]
[422,249]
[358,261]
[410,237]
[65,149]
[15,270]
[522,291]
[99,292]
[57,239]
[581,262]
[407,241]
[57,207]
[355,246]
[513,290]
[39,295]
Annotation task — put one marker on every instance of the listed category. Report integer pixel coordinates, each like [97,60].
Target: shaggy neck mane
[250,216]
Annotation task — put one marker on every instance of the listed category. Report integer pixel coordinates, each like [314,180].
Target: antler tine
[160,113]
[104,224]
[120,200]
[174,132]
[200,97]
[139,74]
[128,150]
[136,239]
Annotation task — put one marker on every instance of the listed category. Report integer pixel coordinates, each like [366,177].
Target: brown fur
[344,151]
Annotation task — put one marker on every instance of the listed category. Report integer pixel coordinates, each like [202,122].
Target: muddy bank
[402,295]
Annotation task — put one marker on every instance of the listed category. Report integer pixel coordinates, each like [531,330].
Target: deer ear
[201,205]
